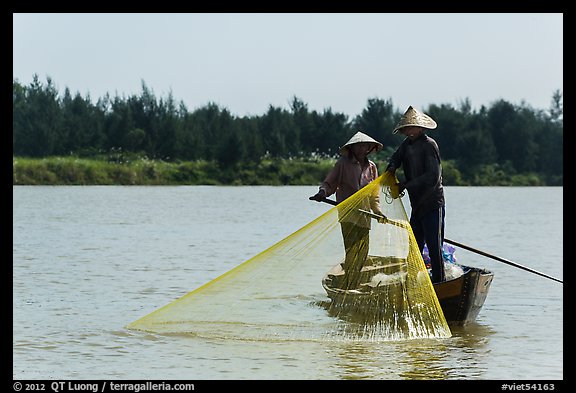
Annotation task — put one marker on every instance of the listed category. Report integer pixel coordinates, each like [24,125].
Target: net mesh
[349,274]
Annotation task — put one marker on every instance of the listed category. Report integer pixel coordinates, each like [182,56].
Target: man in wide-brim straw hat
[413,118]
[353,171]
[419,156]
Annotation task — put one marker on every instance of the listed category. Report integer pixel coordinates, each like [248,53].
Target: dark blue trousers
[429,230]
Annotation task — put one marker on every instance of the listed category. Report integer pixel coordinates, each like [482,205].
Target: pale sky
[246,62]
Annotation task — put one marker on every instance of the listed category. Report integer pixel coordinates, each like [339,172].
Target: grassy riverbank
[143,171]
[137,170]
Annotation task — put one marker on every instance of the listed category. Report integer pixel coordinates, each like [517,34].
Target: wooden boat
[461,298]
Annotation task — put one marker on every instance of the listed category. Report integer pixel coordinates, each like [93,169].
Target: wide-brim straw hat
[414,118]
[360,137]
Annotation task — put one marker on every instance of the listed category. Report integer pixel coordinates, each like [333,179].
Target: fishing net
[350,274]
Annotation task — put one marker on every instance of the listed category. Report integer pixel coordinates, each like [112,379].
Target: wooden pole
[475,250]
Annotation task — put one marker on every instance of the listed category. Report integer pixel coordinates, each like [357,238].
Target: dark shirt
[420,160]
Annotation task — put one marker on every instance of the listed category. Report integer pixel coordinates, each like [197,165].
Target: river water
[88,260]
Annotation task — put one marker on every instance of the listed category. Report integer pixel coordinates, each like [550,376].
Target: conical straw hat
[358,138]
[414,118]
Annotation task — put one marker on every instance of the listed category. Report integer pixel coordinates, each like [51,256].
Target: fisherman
[419,156]
[350,173]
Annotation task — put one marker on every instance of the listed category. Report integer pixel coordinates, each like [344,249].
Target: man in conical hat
[353,171]
[419,156]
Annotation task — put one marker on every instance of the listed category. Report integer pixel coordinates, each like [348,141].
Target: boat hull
[462,298]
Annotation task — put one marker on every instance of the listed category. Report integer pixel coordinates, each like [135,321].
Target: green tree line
[477,146]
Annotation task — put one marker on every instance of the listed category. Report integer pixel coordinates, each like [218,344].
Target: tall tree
[39,119]
[557,107]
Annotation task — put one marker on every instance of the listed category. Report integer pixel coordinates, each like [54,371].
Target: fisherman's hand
[319,196]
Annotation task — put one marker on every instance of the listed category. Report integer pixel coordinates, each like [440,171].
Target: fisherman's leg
[364,245]
[356,244]
[358,254]
[348,238]
[418,230]
[433,224]
[359,251]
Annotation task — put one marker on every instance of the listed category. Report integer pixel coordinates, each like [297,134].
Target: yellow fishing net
[310,286]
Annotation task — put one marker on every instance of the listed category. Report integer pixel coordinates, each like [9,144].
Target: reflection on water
[425,360]
[472,334]
[460,357]
[463,356]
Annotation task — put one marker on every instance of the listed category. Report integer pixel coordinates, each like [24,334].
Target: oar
[373,215]
[326,200]
[464,246]
[497,258]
